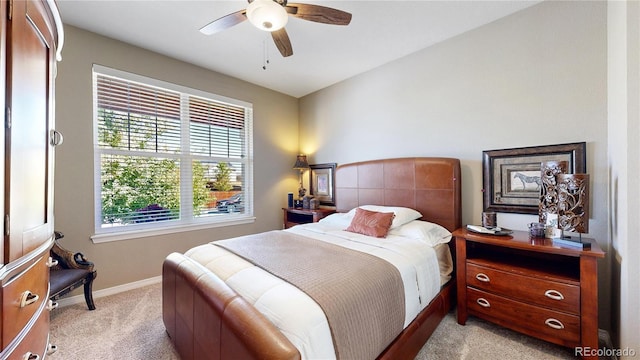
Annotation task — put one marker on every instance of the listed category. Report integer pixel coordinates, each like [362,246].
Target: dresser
[30,37]
[529,285]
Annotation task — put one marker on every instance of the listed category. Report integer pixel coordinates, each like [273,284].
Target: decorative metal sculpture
[548,191]
[573,202]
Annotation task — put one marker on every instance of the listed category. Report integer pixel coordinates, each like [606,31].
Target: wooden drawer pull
[30,356]
[554,323]
[554,294]
[28,298]
[483,302]
[482,277]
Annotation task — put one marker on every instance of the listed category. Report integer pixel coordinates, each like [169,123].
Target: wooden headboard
[430,185]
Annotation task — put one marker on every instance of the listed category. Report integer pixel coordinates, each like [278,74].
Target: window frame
[106,234]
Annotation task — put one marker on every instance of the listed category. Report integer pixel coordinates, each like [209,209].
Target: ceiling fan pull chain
[265,54]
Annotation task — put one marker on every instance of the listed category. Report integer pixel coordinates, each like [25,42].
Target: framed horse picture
[511,178]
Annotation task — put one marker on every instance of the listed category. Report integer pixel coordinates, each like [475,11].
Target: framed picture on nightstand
[321,180]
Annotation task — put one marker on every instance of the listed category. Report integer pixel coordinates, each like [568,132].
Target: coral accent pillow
[371,223]
[403,214]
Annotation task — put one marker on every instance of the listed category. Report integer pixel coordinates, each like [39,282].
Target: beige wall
[624,159]
[537,77]
[121,262]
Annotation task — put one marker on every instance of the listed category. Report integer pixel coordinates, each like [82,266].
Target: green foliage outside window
[222,179]
[131,184]
[200,190]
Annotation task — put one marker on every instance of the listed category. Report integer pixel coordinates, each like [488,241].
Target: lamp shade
[301,162]
[267,15]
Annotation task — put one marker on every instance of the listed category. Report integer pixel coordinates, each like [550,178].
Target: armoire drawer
[551,294]
[558,327]
[37,340]
[22,296]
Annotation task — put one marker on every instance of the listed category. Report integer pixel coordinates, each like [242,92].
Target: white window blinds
[166,155]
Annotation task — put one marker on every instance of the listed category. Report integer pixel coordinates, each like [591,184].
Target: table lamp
[301,165]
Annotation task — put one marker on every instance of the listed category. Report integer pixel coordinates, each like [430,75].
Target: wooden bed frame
[206,319]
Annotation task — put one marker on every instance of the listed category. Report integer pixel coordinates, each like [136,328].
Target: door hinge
[6,225]
[10,9]
[7,119]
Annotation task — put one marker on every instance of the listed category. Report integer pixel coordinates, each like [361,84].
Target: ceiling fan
[272,16]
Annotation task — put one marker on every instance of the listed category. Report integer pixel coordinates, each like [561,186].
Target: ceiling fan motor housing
[267,15]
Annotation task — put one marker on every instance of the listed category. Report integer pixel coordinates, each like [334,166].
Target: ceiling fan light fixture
[267,15]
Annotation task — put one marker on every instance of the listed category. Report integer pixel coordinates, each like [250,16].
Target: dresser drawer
[557,327]
[551,294]
[37,340]
[22,296]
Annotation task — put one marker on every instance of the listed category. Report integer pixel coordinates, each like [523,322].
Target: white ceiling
[380,31]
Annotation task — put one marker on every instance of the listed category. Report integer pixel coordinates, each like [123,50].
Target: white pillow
[403,214]
[337,220]
[432,234]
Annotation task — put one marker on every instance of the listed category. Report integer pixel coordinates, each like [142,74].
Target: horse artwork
[527,182]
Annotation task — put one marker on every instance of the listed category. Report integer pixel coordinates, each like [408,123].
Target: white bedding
[294,313]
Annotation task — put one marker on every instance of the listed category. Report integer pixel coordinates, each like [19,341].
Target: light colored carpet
[129,326]
[123,326]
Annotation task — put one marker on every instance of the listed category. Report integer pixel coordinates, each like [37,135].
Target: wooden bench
[71,272]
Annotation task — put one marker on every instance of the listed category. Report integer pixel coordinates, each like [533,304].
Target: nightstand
[294,216]
[529,285]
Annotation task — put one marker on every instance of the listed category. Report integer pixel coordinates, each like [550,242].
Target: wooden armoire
[30,38]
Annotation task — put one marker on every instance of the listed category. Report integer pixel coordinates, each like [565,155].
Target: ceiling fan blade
[321,14]
[224,22]
[281,38]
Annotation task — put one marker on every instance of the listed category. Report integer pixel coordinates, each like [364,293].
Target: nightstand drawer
[554,326]
[294,216]
[551,294]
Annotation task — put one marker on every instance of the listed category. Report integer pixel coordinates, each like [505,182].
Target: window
[168,157]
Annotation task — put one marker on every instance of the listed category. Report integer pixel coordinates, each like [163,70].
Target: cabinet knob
[28,298]
[51,349]
[31,356]
[51,262]
[52,305]
[483,302]
[554,323]
[483,277]
[554,294]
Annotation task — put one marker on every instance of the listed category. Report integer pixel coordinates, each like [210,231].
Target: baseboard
[605,339]
[78,299]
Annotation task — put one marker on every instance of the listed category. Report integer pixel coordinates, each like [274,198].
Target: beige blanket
[361,295]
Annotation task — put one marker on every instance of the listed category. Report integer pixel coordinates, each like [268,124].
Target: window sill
[134,234]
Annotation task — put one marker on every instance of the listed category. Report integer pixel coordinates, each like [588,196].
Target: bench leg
[88,293]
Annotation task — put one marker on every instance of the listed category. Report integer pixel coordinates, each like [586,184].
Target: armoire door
[28,154]
[4,21]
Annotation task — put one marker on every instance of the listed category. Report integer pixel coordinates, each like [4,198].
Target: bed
[209,317]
